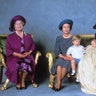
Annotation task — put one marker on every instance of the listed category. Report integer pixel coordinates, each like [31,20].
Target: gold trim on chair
[51,58]
[4,87]
[38,54]
[2,60]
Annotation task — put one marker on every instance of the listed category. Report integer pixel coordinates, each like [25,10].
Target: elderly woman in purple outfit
[19,51]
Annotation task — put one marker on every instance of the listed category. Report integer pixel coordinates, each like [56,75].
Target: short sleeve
[69,51]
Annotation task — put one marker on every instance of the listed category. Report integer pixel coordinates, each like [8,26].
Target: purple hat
[14,19]
[66,21]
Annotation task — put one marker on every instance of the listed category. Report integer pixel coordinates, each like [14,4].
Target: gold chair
[2,64]
[51,58]
[4,87]
[85,40]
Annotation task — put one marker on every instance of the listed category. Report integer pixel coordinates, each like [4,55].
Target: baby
[93,43]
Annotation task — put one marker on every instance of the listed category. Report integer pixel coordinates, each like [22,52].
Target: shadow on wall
[42,66]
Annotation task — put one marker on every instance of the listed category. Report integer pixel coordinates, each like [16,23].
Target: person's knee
[59,67]
[73,61]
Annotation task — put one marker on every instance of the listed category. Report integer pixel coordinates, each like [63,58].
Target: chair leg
[1,73]
[4,87]
[51,81]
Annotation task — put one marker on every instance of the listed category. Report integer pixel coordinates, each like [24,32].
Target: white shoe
[73,73]
[77,80]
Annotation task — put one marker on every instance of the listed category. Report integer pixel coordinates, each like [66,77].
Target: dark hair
[94,27]
[14,19]
[66,21]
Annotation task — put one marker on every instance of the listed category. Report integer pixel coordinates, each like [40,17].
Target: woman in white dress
[87,69]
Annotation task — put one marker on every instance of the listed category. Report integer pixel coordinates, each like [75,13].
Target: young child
[91,46]
[75,52]
[93,43]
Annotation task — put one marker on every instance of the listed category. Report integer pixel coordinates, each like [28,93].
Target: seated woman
[87,69]
[20,48]
[63,42]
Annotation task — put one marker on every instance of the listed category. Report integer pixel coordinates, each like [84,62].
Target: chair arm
[51,58]
[2,59]
[38,54]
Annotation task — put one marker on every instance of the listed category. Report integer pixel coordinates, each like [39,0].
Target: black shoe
[18,88]
[56,89]
[23,87]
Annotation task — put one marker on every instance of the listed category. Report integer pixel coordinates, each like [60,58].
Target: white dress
[87,71]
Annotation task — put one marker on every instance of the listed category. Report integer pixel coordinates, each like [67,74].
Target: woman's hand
[27,53]
[61,56]
[22,55]
[19,55]
[65,57]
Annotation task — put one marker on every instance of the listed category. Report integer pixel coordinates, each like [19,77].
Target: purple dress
[24,64]
[14,44]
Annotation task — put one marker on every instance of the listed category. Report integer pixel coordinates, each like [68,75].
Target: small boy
[75,52]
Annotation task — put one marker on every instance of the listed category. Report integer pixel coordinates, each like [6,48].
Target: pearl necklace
[67,36]
[20,35]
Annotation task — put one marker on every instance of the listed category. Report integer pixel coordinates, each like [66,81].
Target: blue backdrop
[43,17]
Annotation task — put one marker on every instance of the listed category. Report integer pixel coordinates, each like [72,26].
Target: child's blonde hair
[76,37]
